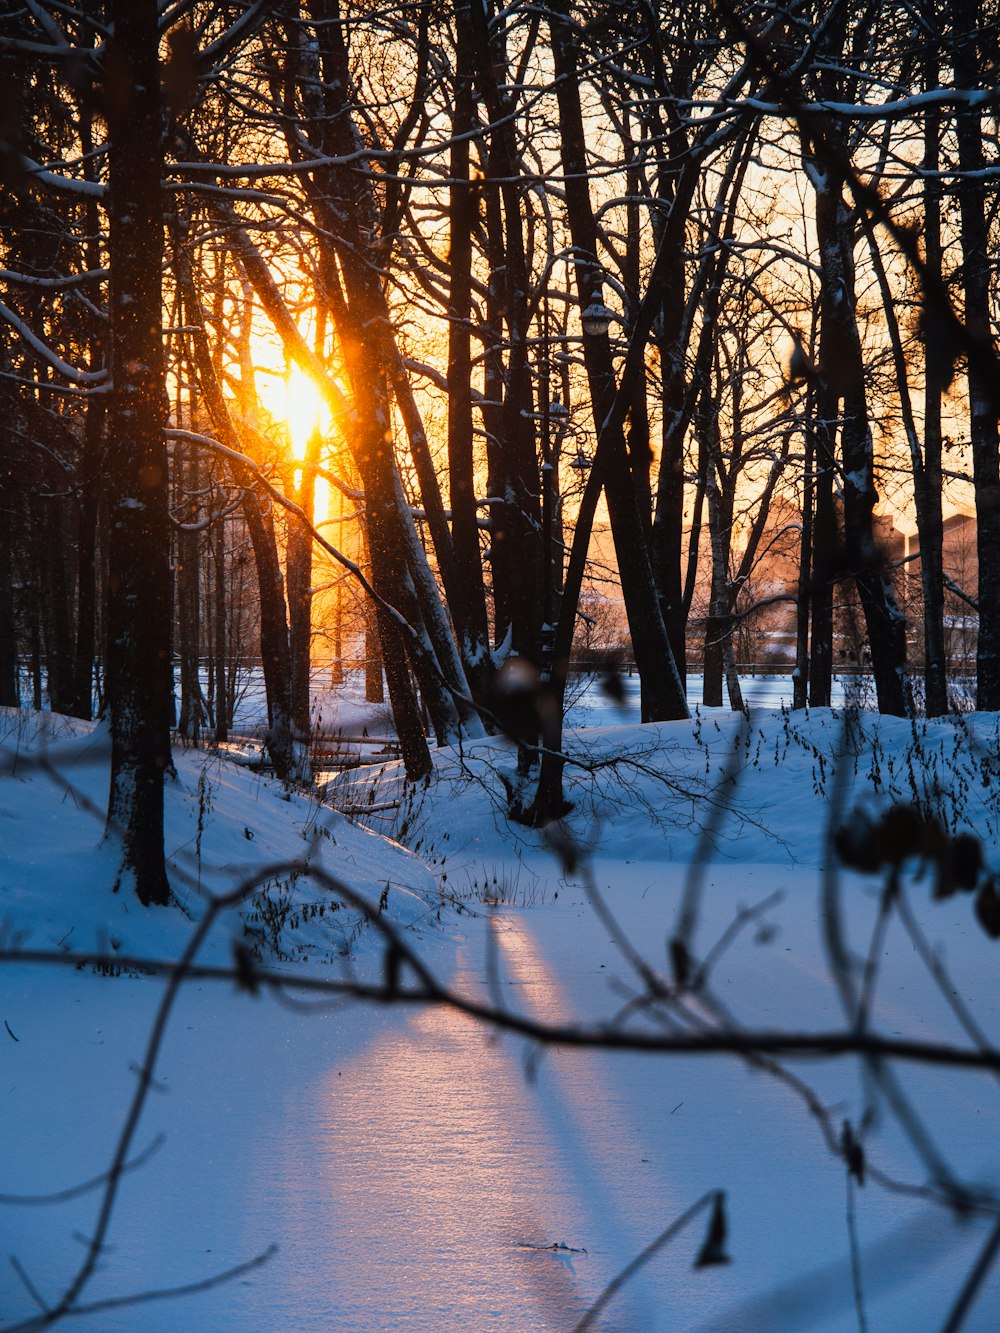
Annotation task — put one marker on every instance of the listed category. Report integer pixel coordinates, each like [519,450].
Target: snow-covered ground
[414,1170]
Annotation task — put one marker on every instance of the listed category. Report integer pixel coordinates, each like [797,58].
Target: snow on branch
[899,108]
[61,184]
[60,283]
[46,353]
[963,596]
[61,390]
[45,21]
[241,29]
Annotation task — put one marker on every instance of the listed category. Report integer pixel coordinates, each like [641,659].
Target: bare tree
[138,665]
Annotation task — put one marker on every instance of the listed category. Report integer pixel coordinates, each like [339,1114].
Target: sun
[305,411]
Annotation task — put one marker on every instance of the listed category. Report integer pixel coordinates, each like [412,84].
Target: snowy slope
[224,826]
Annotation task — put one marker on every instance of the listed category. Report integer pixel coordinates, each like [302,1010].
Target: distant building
[960,561]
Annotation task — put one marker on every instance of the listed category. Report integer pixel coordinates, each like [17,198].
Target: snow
[42,349]
[224,825]
[69,185]
[415,1171]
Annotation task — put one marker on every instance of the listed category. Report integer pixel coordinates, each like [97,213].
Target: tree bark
[843,374]
[57,606]
[139,601]
[221,697]
[468,602]
[89,469]
[299,569]
[9,673]
[800,676]
[825,551]
[191,716]
[976,269]
[928,486]
[87,572]
[518,554]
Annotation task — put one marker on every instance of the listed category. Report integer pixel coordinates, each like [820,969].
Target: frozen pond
[771,691]
[413,1171]
[588,707]
[413,1175]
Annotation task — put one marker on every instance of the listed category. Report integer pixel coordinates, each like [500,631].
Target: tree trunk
[800,676]
[35,636]
[467,603]
[221,696]
[286,759]
[928,501]
[825,553]
[139,609]
[89,476]
[86,590]
[9,682]
[299,568]
[518,553]
[191,717]
[662,691]
[926,467]
[57,607]
[842,371]
[976,266]
[717,623]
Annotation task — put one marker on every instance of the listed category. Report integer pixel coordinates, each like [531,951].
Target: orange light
[305,410]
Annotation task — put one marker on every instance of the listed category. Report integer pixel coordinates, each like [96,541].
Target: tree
[139,679]
[842,375]
[663,695]
[967,34]
[422,206]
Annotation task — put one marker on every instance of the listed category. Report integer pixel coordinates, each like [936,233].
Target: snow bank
[755,789]
[225,826]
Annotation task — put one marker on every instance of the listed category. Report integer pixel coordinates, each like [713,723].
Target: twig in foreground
[162,1293]
[640,1260]
[974,1281]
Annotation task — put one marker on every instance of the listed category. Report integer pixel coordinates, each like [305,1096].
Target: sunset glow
[305,410]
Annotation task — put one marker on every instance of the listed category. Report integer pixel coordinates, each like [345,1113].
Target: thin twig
[642,1259]
[158,1294]
[972,1284]
[817,1045]
[852,1233]
[743,918]
[75,1191]
[29,1286]
[941,979]
[887,899]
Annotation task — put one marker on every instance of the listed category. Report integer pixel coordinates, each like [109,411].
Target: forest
[466,353]
[716,283]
